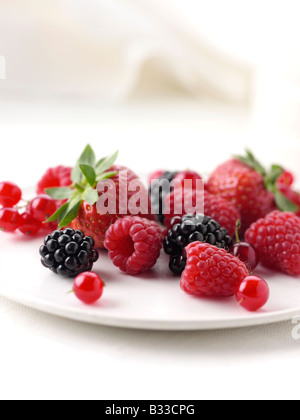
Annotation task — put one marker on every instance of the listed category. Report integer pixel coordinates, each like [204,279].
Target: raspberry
[188,229]
[134,244]
[55,177]
[277,241]
[225,213]
[211,271]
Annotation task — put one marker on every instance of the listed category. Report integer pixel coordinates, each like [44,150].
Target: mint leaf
[90,196]
[89,173]
[87,158]
[104,164]
[71,213]
[58,213]
[59,193]
[284,204]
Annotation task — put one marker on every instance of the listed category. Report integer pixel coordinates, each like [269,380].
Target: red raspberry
[55,177]
[134,244]
[211,271]
[277,240]
[215,207]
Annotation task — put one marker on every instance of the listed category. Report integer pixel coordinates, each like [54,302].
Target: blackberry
[68,252]
[158,193]
[188,229]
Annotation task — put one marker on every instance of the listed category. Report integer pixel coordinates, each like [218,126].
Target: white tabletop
[45,357]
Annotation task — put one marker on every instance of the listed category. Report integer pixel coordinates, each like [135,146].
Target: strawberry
[244,182]
[90,185]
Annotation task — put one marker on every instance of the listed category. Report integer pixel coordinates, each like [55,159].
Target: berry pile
[241,196]
[188,229]
[68,252]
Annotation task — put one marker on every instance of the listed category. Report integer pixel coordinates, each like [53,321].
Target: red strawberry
[211,271]
[215,207]
[245,183]
[277,241]
[81,211]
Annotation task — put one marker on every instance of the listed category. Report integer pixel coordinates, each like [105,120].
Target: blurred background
[170,83]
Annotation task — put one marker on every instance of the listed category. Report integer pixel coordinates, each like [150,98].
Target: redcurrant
[244,251]
[42,207]
[10,219]
[29,225]
[10,194]
[88,287]
[253,293]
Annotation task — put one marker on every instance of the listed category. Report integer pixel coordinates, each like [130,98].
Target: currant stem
[237,228]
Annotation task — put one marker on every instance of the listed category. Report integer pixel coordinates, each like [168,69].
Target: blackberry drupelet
[188,229]
[68,252]
[158,194]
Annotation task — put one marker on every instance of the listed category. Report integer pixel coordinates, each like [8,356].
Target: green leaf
[283,203]
[251,161]
[104,164]
[58,213]
[87,158]
[106,175]
[60,193]
[71,213]
[89,173]
[90,196]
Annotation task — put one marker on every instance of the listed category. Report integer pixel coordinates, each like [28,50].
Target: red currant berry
[189,175]
[88,287]
[253,293]
[10,194]
[246,253]
[10,219]
[29,225]
[287,178]
[42,207]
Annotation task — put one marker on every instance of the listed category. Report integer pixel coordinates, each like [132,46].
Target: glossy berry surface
[10,219]
[188,229]
[42,207]
[29,225]
[253,293]
[134,244]
[88,287]
[246,253]
[276,239]
[188,176]
[68,253]
[211,271]
[158,191]
[10,194]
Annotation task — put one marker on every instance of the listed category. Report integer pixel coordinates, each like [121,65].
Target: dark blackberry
[188,229]
[69,252]
[158,192]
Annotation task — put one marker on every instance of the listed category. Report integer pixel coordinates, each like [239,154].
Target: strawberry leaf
[59,193]
[71,213]
[104,164]
[106,175]
[283,203]
[87,158]
[89,173]
[90,196]
[58,213]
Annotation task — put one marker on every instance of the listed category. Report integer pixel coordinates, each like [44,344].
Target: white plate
[152,301]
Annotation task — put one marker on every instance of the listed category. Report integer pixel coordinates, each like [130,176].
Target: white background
[41,125]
